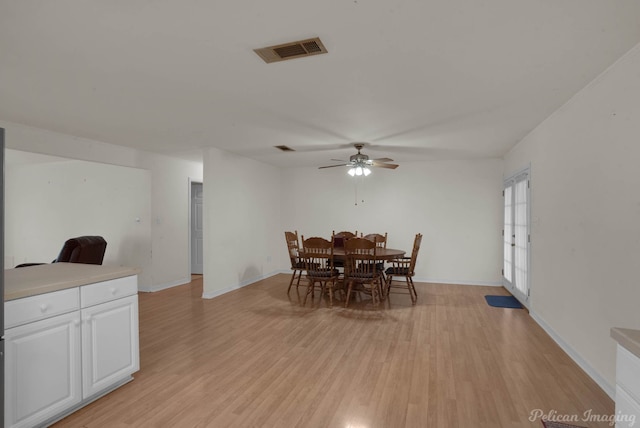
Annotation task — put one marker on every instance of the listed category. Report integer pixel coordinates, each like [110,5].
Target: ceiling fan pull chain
[355,185]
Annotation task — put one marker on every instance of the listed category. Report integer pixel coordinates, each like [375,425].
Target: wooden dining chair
[340,237]
[297,264]
[317,254]
[338,240]
[360,273]
[381,242]
[404,268]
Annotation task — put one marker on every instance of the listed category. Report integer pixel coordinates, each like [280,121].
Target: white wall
[242,228]
[456,205]
[586,216]
[169,192]
[47,203]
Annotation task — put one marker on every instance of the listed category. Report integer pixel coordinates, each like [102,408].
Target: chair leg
[375,298]
[299,276]
[388,284]
[382,282]
[293,276]
[323,289]
[412,290]
[309,290]
[346,303]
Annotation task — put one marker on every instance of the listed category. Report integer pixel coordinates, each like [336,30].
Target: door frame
[523,298]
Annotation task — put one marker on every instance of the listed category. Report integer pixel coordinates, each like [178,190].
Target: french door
[516,236]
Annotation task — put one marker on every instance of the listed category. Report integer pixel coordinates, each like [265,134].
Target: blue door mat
[503,302]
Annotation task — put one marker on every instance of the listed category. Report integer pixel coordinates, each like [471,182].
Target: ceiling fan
[359,163]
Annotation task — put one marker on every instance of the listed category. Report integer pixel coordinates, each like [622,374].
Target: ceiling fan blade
[332,166]
[383,160]
[338,160]
[385,165]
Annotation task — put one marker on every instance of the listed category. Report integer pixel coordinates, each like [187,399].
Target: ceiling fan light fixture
[358,170]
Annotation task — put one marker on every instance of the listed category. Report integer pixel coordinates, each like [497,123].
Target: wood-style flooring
[255,357]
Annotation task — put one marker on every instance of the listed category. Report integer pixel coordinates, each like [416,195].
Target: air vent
[285,148]
[291,50]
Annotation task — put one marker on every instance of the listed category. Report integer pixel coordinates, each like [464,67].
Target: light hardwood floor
[254,357]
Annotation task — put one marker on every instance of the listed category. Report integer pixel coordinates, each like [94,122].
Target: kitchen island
[71,334]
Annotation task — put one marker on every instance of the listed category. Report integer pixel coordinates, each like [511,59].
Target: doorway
[196,231]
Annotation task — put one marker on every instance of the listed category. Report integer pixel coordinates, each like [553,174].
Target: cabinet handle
[113,291]
[76,322]
[44,307]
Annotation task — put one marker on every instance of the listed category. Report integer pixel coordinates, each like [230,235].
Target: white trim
[164,286]
[480,283]
[459,282]
[575,356]
[465,282]
[225,290]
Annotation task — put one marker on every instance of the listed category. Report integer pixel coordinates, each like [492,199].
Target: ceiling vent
[291,50]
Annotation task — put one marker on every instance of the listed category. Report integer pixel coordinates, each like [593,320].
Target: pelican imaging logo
[620,418]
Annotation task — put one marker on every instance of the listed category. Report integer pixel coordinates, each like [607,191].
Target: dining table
[381,253]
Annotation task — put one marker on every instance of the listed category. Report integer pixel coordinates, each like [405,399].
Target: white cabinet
[42,369]
[109,344]
[66,348]
[627,388]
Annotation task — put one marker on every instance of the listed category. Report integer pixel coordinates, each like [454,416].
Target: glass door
[516,236]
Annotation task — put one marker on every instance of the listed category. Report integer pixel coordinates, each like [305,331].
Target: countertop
[627,338]
[40,279]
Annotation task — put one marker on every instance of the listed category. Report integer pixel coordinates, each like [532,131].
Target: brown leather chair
[83,249]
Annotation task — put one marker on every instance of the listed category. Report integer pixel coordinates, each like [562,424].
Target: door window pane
[521,232]
[508,232]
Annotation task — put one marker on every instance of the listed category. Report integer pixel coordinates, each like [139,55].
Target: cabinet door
[42,369]
[109,344]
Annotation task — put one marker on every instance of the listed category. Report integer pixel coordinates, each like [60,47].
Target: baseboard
[225,290]
[439,281]
[575,356]
[459,282]
[164,286]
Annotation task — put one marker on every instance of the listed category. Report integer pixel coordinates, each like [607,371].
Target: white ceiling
[418,79]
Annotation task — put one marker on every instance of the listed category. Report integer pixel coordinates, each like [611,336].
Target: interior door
[197,259]
[517,237]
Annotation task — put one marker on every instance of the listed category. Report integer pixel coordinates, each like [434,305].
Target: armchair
[83,249]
